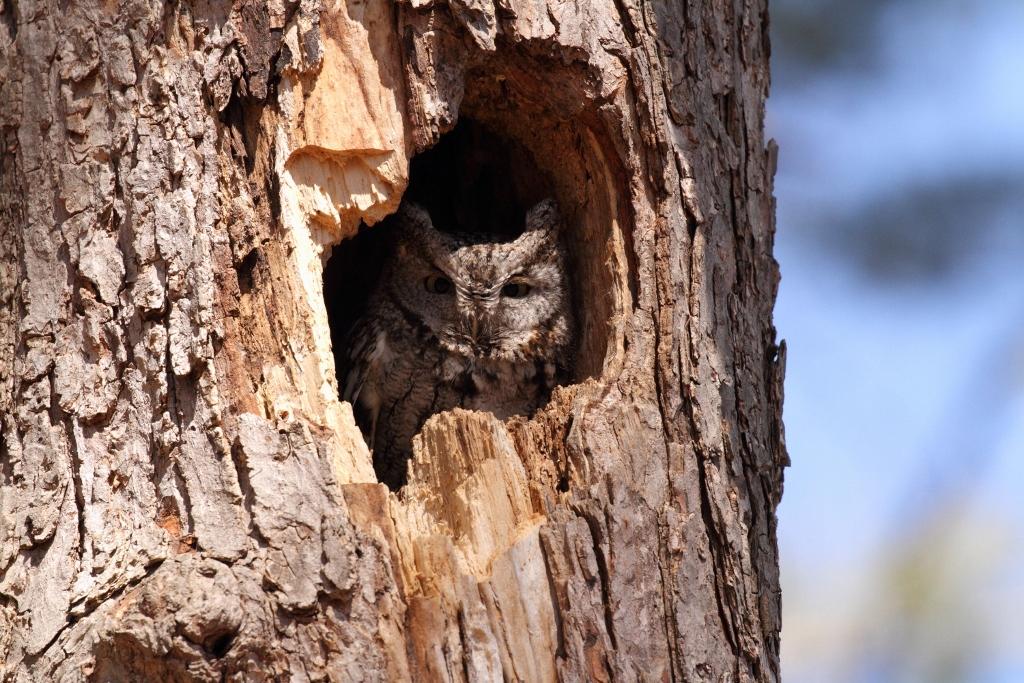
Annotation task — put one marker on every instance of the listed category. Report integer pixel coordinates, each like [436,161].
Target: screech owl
[459,320]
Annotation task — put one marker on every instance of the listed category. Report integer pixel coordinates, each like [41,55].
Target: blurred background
[901,241]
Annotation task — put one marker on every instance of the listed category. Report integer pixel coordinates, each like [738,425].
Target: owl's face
[479,297]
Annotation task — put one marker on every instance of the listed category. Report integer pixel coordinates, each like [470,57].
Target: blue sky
[901,242]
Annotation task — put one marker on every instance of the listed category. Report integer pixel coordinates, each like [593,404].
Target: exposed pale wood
[182,494]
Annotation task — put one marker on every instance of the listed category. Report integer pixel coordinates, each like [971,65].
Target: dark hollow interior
[472,181]
[476,181]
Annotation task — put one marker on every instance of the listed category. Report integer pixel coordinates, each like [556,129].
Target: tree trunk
[185,497]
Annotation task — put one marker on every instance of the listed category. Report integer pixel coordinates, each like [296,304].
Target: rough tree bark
[182,494]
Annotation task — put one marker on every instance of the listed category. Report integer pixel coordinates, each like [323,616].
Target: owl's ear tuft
[543,225]
[418,234]
[415,216]
[543,216]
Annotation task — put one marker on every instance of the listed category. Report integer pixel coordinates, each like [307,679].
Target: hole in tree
[476,181]
[219,644]
[479,186]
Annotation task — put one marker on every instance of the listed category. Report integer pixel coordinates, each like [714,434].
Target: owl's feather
[459,321]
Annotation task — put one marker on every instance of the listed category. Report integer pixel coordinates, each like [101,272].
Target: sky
[901,244]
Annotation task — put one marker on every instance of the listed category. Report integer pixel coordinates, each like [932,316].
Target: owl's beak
[475,324]
[479,337]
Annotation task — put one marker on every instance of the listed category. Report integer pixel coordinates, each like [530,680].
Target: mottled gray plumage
[459,321]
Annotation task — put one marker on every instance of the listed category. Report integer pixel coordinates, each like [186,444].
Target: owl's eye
[435,284]
[515,290]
